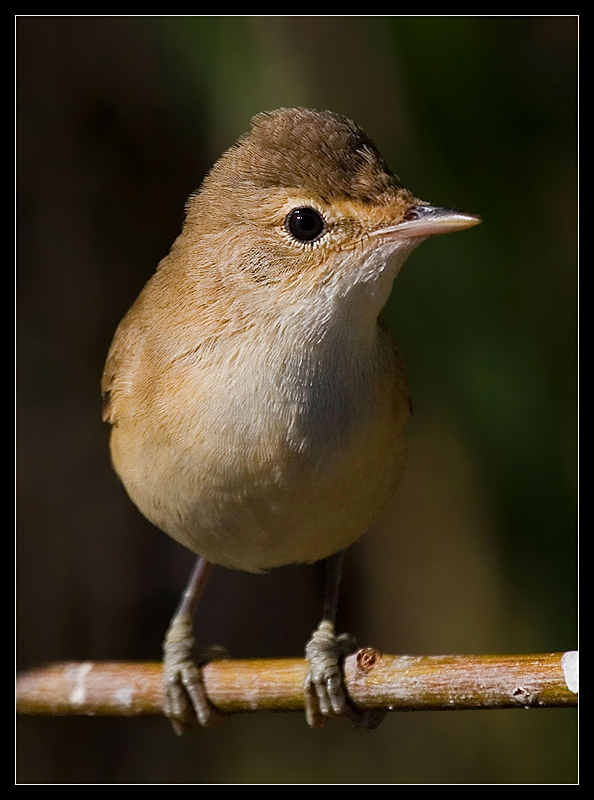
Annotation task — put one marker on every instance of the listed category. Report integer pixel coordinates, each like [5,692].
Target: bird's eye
[305,224]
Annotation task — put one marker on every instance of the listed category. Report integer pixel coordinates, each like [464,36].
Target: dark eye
[305,224]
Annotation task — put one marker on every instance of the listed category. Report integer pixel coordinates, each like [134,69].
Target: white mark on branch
[78,676]
[125,696]
[252,696]
[570,663]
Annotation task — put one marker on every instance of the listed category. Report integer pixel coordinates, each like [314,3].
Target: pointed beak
[419,222]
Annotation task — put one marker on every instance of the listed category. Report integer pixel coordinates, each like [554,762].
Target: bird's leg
[324,684]
[184,696]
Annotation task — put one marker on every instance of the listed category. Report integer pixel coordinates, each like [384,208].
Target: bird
[257,403]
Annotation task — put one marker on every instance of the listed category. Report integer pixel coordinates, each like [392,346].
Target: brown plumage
[257,406]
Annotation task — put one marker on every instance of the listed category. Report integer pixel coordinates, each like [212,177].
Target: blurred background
[118,119]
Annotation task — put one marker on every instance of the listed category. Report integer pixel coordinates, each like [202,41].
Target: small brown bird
[257,406]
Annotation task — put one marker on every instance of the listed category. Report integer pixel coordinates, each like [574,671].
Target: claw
[324,689]
[184,698]
[323,685]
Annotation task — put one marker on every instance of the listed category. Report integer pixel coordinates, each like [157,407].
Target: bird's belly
[260,502]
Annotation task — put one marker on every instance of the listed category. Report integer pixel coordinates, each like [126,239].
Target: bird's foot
[324,690]
[184,698]
[324,686]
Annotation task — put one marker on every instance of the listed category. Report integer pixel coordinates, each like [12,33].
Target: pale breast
[270,467]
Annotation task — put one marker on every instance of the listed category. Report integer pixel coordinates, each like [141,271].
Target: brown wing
[124,355]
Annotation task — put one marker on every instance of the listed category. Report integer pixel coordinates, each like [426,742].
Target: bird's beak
[419,222]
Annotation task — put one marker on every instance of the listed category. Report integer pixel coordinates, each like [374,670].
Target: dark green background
[118,118]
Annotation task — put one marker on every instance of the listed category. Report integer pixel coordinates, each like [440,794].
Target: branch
[373,680]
